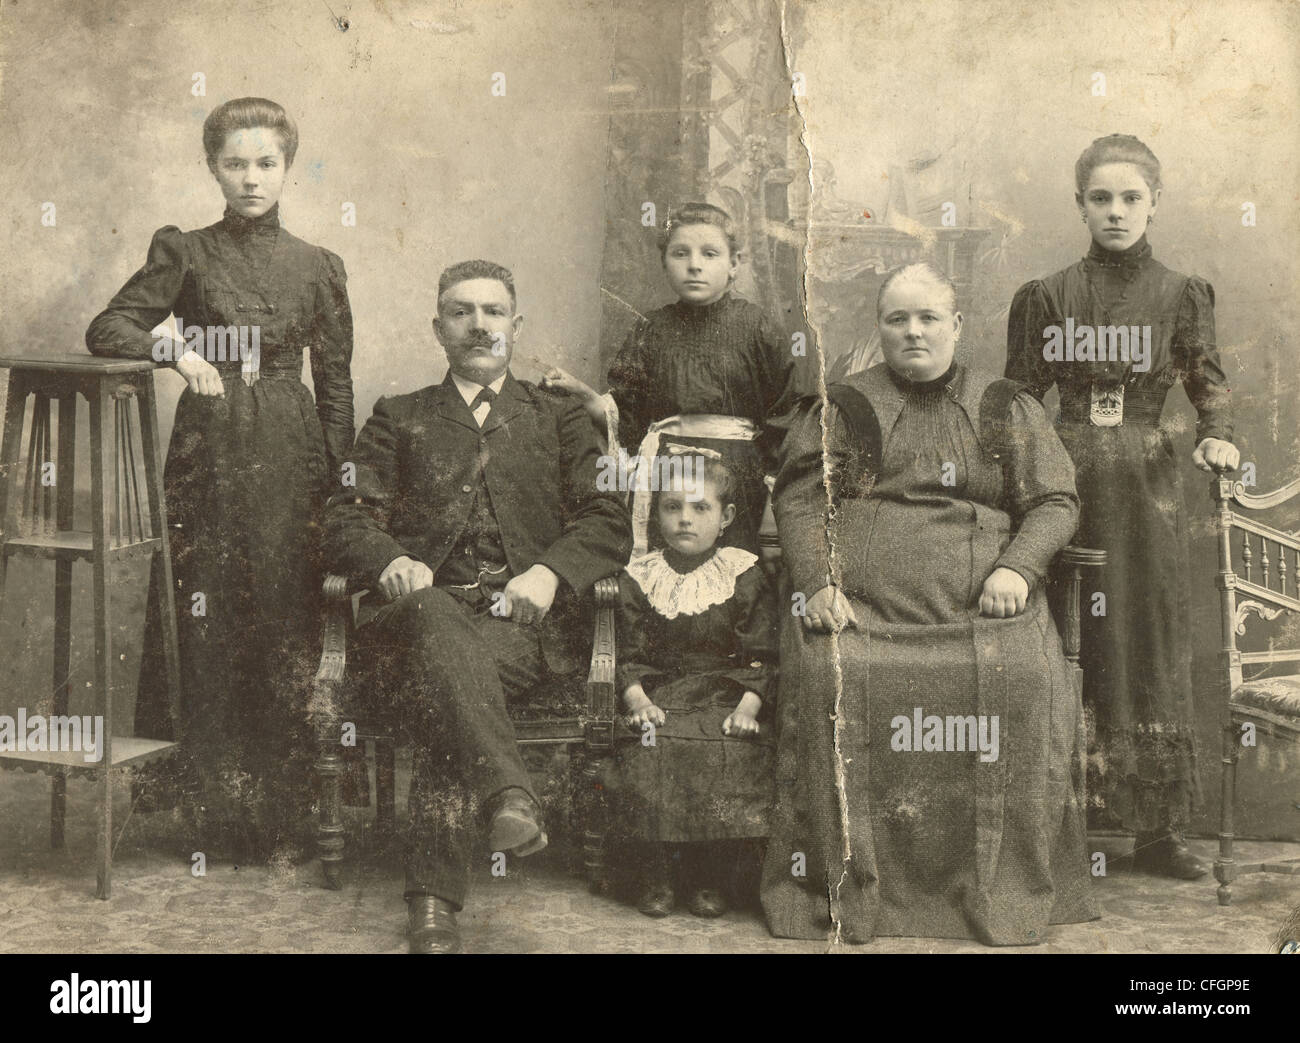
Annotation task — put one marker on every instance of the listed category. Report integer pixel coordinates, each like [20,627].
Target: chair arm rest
[606,592]
[1083,557]
[1076,558]
[600,680]
[336,622]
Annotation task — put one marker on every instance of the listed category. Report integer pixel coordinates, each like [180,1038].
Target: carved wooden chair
[578,717]
[1067,578]
[1259,567]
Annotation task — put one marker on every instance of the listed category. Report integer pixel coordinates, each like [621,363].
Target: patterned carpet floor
[47,901]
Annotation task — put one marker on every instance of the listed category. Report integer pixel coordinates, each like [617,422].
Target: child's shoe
[657,895]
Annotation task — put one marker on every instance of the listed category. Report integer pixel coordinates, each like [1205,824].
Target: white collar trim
[672,593]
[469,390]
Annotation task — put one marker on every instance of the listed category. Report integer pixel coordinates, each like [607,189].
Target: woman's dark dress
[871,838]
[1136,658]
[695,783]
[245,476]
[724,358]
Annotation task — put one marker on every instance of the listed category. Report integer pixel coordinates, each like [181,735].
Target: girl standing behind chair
[696,669]
[250,460]
[1136,658]
[709,370]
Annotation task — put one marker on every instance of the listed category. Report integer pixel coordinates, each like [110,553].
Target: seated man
[475,512]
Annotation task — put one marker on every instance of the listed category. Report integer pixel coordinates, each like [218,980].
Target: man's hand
[1216,456]
[527,598]
[828,610]
[403,575]
[199,374]
[1005,594]
[743,723]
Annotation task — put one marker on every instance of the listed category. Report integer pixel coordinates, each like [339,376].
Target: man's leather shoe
[431,925]
[1167,854]
[707,902]
[657,899]
[515,827]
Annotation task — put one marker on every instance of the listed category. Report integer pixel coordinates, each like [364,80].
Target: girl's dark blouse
[727,357]
[1128,288]
[246,272]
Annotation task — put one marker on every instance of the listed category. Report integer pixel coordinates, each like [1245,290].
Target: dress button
[466,489]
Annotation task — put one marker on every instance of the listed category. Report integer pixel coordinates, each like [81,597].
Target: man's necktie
[485,394]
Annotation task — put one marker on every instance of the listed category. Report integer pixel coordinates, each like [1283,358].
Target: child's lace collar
[672,593]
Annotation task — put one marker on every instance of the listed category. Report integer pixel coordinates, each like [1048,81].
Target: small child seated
[697,670]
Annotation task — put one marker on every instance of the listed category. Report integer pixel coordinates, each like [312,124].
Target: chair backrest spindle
[1242,593]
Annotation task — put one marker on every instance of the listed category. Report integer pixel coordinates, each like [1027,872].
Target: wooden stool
[39,523]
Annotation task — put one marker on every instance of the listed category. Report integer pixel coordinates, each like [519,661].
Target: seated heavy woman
[919,508]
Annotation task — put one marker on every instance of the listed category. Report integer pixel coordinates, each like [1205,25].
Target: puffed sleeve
[629,386]
[331,361]
[634,612]
[1039,491]
[358,542]
[754,607]
[1196,356]
[122,329]
[1031,313]
[799,499]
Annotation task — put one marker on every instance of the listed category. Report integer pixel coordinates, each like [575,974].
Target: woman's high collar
[1129,258]
[923,387]
[237,223]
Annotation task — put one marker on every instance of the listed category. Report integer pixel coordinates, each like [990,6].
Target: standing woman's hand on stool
[528,597]
[200,374]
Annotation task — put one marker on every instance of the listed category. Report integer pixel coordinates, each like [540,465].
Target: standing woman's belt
[692,425]
[1079,405]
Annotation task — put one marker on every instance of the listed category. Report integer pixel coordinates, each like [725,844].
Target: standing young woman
[250,460]
[1137,657]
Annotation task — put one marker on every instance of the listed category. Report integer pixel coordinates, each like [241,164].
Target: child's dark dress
[724,359]
[696,642]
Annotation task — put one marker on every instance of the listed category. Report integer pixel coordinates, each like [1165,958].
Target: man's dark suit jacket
[417,461]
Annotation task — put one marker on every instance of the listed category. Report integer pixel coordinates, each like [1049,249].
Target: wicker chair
[1259,567]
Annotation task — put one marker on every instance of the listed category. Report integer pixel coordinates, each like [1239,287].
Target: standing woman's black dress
[245,476]
[1136,658]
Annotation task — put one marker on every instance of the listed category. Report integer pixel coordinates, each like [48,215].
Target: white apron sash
[692,425]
